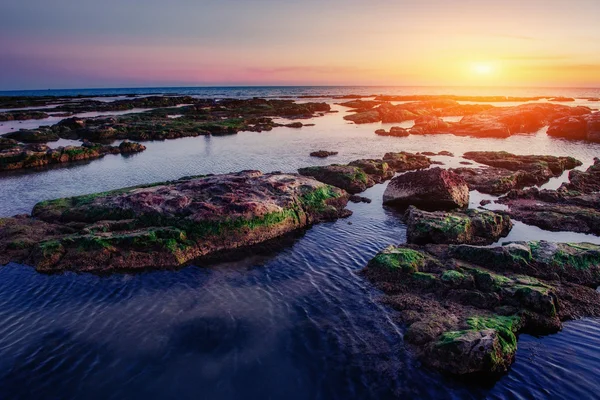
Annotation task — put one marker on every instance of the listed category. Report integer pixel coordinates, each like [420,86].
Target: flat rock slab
[166,224]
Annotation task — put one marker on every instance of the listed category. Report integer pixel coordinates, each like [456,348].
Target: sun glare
[482,69]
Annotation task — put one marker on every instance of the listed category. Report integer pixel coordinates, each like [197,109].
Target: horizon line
[298,86]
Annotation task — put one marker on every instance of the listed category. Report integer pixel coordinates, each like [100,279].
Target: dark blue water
[295,321]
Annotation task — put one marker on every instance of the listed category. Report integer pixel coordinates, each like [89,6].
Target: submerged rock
[465,305]
[323,153]
[469,226]
[166,224]
[433,188]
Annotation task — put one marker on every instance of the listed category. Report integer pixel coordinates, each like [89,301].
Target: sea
[296,321]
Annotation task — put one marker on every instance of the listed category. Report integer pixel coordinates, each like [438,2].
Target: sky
[139,43]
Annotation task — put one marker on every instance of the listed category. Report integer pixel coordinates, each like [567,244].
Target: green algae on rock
[359,175]
[39,155]
[166,224]
[464,306]
[469,226]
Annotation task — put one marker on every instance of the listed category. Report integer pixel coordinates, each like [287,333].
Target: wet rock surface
[464,306]
[359,175]
[37,155]
[432,189]
[580,127]
[166,224]
[508,171]
[200,117]
[475,227]
[573,207]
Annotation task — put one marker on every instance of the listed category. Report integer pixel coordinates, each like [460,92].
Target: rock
[359,199]
[41,135]
[465,305]
[573,207]
[511,171]
[166,224]
[394,131]
[388,113]
[485,202]
[358,175]
[430,124]
[127,147]
[360,105]
[434,188]
[579,127]
[294,125]
[355,177]
[36,155]
[363,117]
[22,115]
[445,153]
[323,153]
[7,144]
[403,161]
[505,121]
[468,227]
[584,182]
[351,179]
[465,163]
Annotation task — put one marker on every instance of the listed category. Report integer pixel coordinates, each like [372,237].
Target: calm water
[294,322]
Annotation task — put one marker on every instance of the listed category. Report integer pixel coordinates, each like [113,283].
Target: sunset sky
[125,43]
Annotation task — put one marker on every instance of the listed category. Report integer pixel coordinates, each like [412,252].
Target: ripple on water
[297,322]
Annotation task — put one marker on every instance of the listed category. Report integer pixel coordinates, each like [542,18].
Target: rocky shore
[201,117]
[464,306]
[166,224]
[508,171]
[574,206]
[39,155]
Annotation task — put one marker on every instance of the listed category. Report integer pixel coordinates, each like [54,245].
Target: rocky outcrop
[508,171]
[433,188]
[465,227]
[323,153]
[359,175]
[573,207]
[389,113]
[42,135]
[506,121]
[200,117]
[464,306]
[580,127]
[166,224]
[22,115]
[39,155]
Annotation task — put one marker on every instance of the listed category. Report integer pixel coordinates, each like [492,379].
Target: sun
[482,69]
